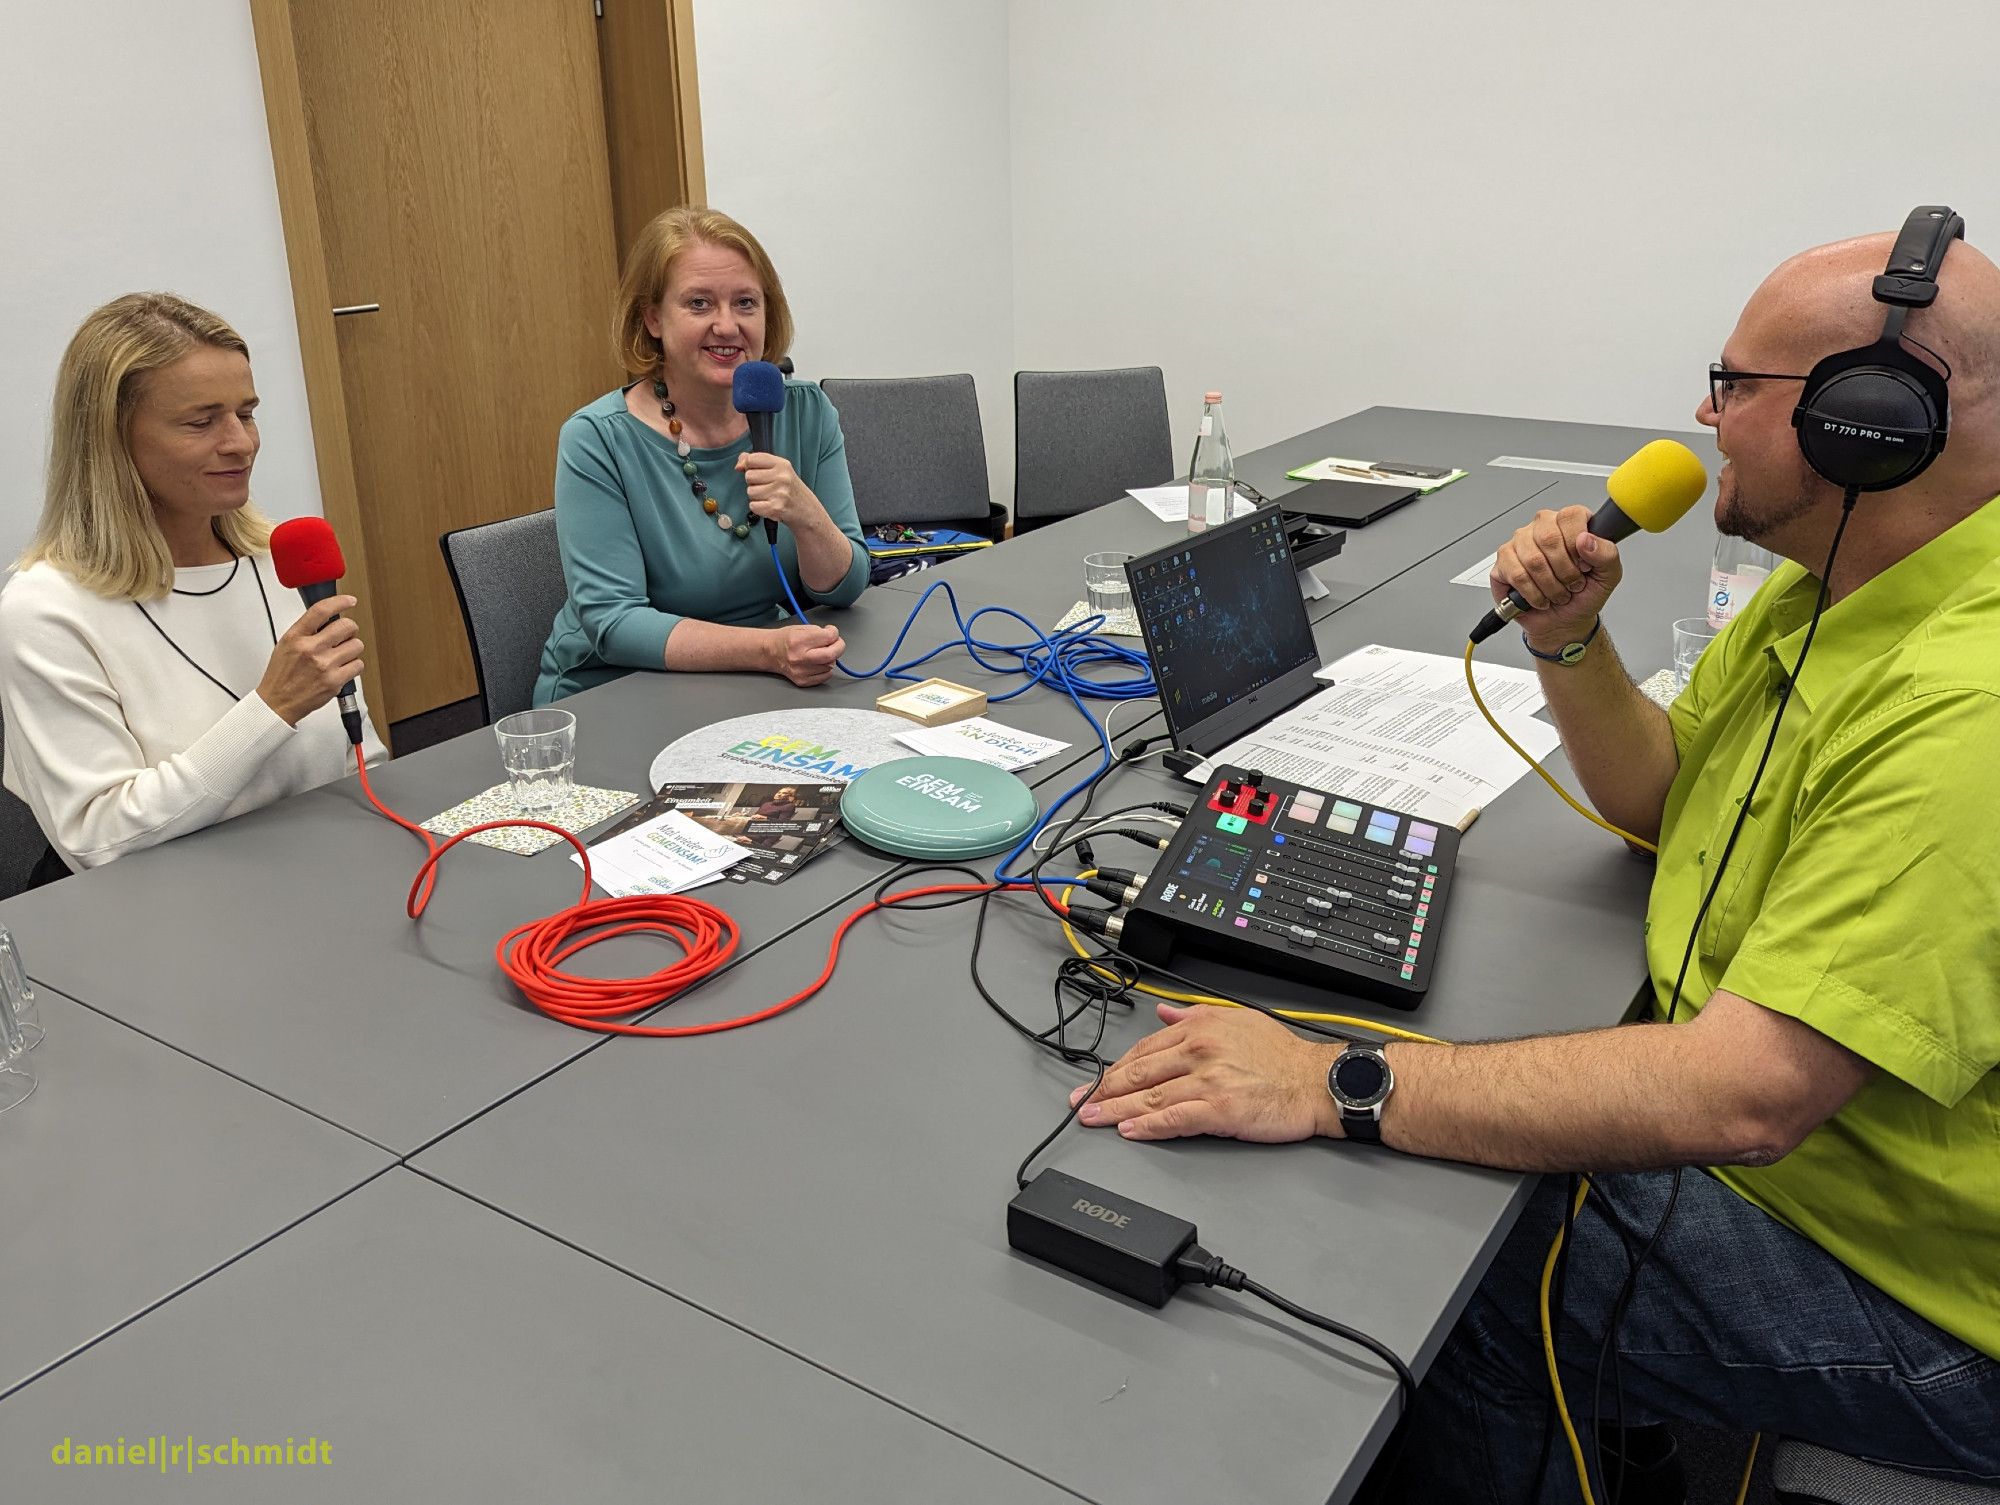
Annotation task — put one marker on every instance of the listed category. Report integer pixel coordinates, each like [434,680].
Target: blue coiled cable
[1059,659]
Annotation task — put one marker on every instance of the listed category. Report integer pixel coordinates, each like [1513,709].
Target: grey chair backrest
[21,839]
[1803,1472]
[915,450]
[509,580]
[1083,438]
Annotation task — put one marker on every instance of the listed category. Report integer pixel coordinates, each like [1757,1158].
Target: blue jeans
[1737,1322]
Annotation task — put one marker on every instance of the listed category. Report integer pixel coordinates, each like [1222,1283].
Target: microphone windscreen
[1658,484]
[305,552]
[758,387]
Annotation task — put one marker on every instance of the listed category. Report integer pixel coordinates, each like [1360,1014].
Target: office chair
[21,839]
[509,580]
[916,452]
[1083,438]
[1803,1474]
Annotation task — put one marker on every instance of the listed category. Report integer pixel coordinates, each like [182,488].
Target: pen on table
[1356,470]
[1465,822]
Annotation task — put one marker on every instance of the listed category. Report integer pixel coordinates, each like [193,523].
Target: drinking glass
[1691,635]
[538,750]
[17,1077]
[1104,583]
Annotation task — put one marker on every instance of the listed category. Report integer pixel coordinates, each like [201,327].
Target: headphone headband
[1910,279]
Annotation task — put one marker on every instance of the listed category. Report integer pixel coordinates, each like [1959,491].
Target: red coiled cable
[532,955]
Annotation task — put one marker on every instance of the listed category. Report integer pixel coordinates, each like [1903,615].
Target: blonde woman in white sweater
[154,676]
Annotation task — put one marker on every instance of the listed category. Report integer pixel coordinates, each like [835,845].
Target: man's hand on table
[1225,1071]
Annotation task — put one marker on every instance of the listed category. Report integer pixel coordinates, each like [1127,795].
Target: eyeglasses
[1722,381]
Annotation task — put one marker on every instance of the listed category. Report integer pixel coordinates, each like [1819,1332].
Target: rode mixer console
[1302,883]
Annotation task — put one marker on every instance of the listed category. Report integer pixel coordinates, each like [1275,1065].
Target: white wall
[137,159]
[1551,209]
[865,143]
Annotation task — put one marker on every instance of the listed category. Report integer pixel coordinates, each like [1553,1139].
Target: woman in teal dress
[660,499]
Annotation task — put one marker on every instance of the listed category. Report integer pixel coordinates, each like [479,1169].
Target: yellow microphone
[1651,490]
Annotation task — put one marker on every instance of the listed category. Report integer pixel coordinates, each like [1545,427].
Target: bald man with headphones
[1793,1223]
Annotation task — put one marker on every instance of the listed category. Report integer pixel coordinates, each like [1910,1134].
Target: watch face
[1360,1081]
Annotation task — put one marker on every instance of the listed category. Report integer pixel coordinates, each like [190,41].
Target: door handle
[357,308]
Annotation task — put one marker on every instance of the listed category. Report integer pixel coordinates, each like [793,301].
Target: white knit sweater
[117,744]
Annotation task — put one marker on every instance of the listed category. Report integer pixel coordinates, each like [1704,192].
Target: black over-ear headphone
[1874,417]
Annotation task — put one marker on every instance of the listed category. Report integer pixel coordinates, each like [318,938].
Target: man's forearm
[1620,743]
[1632,1098]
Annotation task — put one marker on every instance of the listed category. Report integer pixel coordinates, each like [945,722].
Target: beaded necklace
[728,524]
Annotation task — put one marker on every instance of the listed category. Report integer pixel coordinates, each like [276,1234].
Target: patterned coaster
[1117,624]
[1661,688]
[587,807]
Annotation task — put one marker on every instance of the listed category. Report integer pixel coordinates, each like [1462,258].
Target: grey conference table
[134,1171]
[327,996]
[447,1353]
[1042,572]
[917,1103]
[401,1034]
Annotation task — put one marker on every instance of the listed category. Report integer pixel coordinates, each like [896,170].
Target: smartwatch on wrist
[1359,1082]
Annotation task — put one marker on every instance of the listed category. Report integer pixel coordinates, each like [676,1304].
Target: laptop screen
[1226,629]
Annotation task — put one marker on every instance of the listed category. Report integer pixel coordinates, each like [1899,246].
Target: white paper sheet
[1398,729]
[988,741]
[1478,575]
[1170,503]
[667,855]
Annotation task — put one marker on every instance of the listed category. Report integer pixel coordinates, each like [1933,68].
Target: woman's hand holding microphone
[316,656]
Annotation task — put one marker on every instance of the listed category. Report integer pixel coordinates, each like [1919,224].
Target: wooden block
[933,702]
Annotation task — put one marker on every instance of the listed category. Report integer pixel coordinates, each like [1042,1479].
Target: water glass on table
[538,750]
[17,1076]
[1691,636]
[1105,585]
[20,992]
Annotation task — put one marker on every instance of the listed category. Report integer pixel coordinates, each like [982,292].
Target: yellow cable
[1547,778]
[936,548]
[1209,999]
[1743,1489]
[1549,1350]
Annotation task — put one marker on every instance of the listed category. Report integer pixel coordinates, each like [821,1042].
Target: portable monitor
[938,808]
[1226,629]
[1354,504]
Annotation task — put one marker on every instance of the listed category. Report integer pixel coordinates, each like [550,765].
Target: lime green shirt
[1863,898]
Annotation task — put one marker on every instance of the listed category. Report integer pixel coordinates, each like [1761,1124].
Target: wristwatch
[1359,1082]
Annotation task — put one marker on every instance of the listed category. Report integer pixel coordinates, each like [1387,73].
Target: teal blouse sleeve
[825,472]
[603,561]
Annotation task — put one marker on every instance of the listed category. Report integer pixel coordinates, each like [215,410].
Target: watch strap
[1361,1124]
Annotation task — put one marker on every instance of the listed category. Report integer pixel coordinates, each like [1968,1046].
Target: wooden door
[448,161]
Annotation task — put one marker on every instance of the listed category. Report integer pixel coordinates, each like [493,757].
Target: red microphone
[307,558]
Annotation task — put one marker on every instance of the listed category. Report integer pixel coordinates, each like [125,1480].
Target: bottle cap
[1211,397]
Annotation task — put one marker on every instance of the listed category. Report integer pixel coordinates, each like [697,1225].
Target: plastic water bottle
[1212,482]
[1740,567]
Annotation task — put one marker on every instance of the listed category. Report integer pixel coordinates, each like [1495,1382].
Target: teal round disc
[938,807]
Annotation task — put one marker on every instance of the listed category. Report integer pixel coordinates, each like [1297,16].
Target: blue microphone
[757,391]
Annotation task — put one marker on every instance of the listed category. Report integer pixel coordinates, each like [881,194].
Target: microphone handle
[1609,522]
[760,442]
[350,706]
